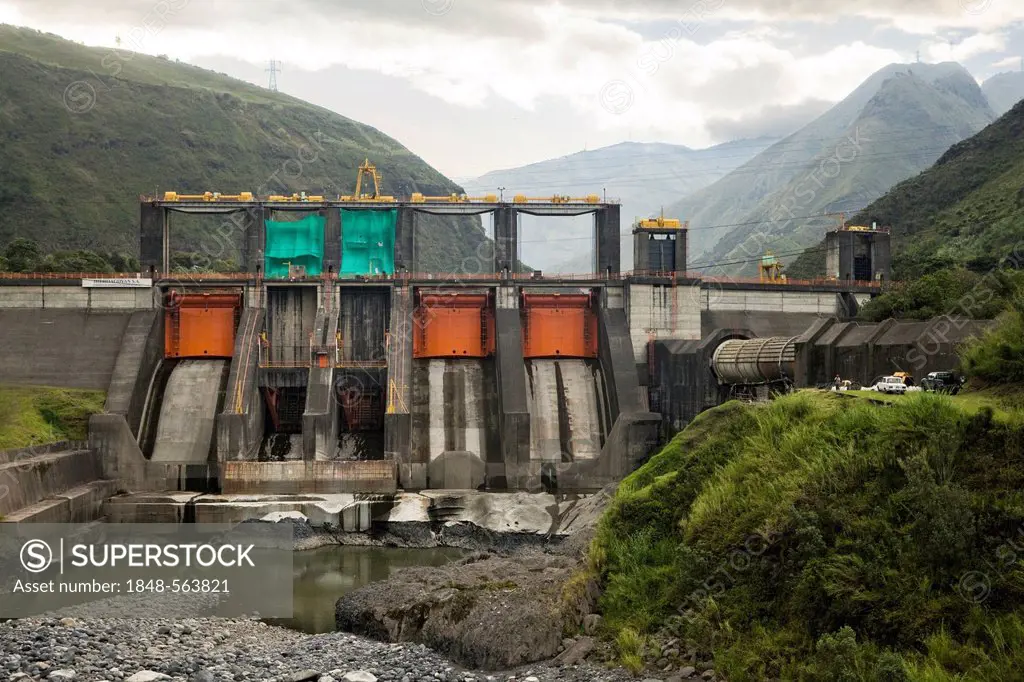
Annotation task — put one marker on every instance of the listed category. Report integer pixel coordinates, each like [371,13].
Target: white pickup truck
[890,385]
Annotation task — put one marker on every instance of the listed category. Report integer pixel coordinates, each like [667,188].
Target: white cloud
[587,55]
[1007,63]
[961,50]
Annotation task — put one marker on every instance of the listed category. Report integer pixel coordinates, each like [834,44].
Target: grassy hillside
[87,130]
[37,414]
[967,209]
[825,537]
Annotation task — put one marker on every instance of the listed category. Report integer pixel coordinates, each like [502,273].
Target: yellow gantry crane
[771,268]
[370,170]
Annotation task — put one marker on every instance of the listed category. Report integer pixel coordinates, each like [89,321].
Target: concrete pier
[320,419]
[240,427]
[412,474]
[514,419]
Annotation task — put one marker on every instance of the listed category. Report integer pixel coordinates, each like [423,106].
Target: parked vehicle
[891,385]
[906,377]
[943,382]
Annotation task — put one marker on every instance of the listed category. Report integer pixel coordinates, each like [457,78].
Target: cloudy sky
[476,85]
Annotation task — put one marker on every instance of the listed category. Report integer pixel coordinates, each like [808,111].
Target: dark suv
[942,382]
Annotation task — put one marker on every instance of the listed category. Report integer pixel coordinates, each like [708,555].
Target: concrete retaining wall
[862,352]
[21,454]
[122,461]
[63,348]
[663,312]
[320,420]
[716,297]
[27,481]
[618,357]
[45,297]
[142,348]
[81,504]
[760,323]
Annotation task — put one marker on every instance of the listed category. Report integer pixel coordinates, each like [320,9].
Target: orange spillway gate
[453,326]
[559,326]
[201,325]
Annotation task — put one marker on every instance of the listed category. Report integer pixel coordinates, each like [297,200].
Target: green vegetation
[827,537]
[25,255]
[1002,401]
[31,415]
[88,130]
[951,291]
[997,357]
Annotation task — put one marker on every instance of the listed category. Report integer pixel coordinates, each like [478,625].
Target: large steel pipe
[755,361]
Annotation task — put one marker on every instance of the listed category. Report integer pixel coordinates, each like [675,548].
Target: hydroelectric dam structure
[331,364]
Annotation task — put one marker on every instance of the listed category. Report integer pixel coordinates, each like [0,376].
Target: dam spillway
[188,413]
[332,373]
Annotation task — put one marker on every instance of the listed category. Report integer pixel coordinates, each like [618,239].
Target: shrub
[998,355]
[824,537]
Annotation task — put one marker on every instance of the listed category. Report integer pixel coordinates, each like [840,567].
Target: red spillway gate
[559,326]
[201,325]
[450,325]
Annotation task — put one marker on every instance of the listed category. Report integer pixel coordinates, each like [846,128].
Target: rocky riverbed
[519,610]
[215,650]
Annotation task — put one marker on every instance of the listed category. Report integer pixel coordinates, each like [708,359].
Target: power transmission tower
[273,69]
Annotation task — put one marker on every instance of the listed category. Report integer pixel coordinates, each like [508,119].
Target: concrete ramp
[189,412]
[565,414]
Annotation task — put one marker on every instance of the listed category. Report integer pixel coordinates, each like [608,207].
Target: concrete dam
[332,367]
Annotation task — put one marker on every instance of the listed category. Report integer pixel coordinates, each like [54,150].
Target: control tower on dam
[333,364]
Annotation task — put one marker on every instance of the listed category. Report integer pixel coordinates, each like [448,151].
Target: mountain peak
[1004,90]
[892,126]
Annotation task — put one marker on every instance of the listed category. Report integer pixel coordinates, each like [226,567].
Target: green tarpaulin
[368,242]
[299,242]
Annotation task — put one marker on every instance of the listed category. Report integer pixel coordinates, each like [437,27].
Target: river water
[321,576]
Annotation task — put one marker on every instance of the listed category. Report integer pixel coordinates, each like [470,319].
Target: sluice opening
[283,410]
[361,372]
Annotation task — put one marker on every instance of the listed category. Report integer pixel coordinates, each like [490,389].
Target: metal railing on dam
[455,278]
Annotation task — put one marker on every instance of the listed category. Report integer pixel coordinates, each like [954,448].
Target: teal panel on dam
[297,243]
[368,242]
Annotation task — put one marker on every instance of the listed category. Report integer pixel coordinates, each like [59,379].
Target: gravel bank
[201,650]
